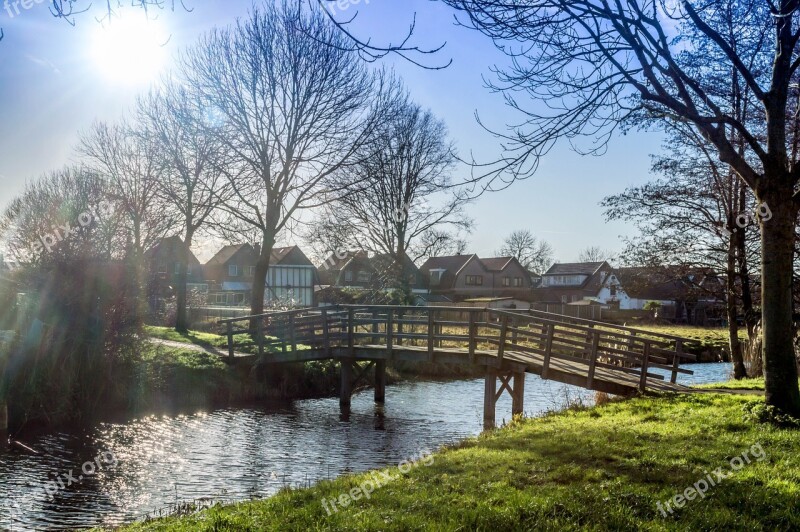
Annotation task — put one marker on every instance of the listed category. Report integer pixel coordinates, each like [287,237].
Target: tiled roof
[496,264]
[574,268]
[452,263]
[225,254]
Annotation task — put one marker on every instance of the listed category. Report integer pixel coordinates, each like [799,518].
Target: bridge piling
[380,381]
[489,398]
[346,388]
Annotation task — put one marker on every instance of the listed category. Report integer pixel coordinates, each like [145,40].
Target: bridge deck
[592,355]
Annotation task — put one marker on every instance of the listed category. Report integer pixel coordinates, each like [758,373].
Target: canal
[244,453]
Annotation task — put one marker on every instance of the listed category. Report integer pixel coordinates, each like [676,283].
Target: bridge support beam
[346,388]
[380,381]
[511,381]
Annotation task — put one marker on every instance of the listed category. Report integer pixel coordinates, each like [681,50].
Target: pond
[144,466]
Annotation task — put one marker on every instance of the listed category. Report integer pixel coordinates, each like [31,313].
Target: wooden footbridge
[507,343]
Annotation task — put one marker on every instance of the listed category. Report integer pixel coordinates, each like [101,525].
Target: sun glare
[130,50]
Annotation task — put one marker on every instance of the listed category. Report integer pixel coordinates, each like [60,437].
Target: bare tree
[128,159]
[61,216]
[193,182]
[297,105]
[405,192]
[592,63]
[535,255]
[595,254]
[697,232]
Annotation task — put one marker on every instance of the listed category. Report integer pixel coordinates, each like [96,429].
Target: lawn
[605,468]
[704,337]
[190,337]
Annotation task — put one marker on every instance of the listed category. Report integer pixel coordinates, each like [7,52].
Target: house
[692,295]
[461,277]
[384,267]
[572,282]
[291,278]
[350,269]
[230,275]
[163,262]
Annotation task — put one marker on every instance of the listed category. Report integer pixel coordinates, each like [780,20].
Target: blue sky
[51,87]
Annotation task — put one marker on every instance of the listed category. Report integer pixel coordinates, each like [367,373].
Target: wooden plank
[390,333]
[503,337]
[350,331]
[676,361]
[518,396]
[548,349]
[592,360]
[645,363]
[431,334]
[473,332]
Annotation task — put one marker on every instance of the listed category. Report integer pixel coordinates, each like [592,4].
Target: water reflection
[251,452]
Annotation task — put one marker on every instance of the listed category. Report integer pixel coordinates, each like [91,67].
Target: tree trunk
[260,278]
[182,319]
[777,254]
[739,371]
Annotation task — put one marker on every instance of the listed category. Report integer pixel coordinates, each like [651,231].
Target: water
[237,454]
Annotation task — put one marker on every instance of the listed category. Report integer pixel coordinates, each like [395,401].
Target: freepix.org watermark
[89,469]
[376,481]
[701,487]
[745,219]
[63,232]
[15,7]
[336,6]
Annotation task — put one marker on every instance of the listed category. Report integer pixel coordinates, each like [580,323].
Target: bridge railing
[517,335]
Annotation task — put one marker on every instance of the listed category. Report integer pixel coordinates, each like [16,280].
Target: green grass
[704,337]
[604,468]
[743,384]
[243,342]
[191,337]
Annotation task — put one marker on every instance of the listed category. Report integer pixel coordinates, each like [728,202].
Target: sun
[129,50]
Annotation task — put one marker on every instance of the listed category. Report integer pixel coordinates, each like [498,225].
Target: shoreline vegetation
[614,466]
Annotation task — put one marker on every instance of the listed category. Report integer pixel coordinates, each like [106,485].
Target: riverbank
[608,467]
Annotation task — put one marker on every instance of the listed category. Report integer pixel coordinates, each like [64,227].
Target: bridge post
[380,381]
[489,398]
[518,394]
[346,388]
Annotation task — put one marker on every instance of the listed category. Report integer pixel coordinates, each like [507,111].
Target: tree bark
[260,278]
[777,254]
[739,370]
[182,318]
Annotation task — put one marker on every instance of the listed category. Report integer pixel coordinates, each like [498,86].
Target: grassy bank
[703,337]
[605,468]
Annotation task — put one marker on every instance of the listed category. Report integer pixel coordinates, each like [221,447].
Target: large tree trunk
[182,319]
[739,371]
[777,254]
[260,278]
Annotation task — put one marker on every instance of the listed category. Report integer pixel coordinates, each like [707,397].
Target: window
[507,281]
[222,299]
[177,268]
[348,276]
[518,281]
[364,277]
[233,270]
[251,271]
[474,280]
[563,299]
[612,290]
[162,269]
